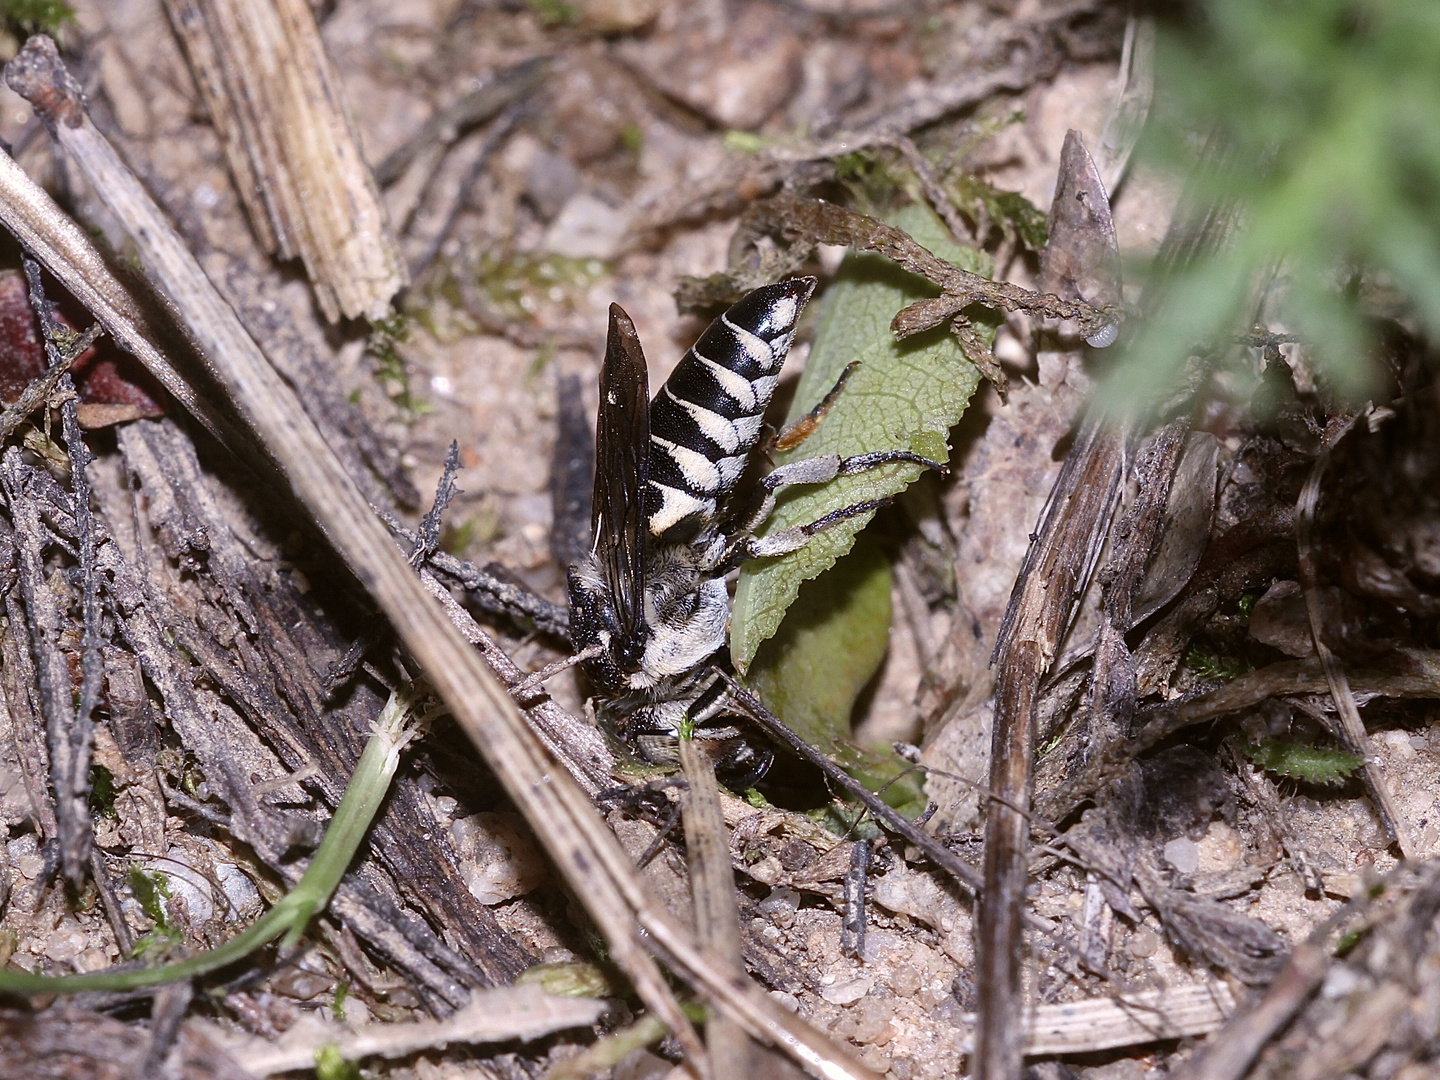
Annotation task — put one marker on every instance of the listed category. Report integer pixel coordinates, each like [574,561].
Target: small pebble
[65,944]
[1143,942]
[780,906]
[1183,855]
[1124,1069]
[767,871]
[1340,981]
[875,1058]
[905,980]
[901,1069]
[796,855]
[873,1023]
[786,1001]
[843,993]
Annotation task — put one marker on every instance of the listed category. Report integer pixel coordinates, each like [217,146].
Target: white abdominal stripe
[706,420]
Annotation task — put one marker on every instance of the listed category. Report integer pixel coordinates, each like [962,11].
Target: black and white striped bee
[650,603]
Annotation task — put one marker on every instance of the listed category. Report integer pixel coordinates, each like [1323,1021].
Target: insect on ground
[650,603]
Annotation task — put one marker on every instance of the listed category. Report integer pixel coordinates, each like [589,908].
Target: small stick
[935,851]
[82,730]
[1352,728]
[712,885]
[852,927]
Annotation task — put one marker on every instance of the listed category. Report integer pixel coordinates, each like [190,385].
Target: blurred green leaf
[904,396]
[1329,113]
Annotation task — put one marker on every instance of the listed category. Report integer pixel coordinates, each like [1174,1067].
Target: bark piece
[276,103]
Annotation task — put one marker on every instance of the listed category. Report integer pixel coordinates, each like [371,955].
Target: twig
[1058,567]
[935,193]
[69,745]
[857,879]
[490,592]
[450,123]
[40,389]
[167,1011]
[712,887]
[1352,728]
[506,1013]
[826,223]
[890,818]
[44,229]
[937,103]
[1229,1054]
[428,542]
[1145,1016]
[444,222]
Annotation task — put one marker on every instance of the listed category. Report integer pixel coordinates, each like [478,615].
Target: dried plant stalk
[276,102]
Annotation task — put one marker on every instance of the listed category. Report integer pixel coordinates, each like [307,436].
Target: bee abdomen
[706,419]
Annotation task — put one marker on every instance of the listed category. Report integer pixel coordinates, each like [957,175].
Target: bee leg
[816,470]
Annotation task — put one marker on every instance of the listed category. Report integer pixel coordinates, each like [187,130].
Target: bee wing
[622,471]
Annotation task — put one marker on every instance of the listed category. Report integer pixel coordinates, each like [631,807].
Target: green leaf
[904,396]
[1017,217]
[811,672]
[1312,764]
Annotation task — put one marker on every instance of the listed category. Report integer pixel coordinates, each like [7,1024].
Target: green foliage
[555,12]
[330,1065]
[745,142]
[386,337]
[1312,764]
[337,1007]
[872,178]
[288,919]
[151,890]
[904,396]
[102,791]
[900,784]
[1016,216]
[36,16]
[1330,110]
[517,286]
[830,645]
[571,979]
[1210,665]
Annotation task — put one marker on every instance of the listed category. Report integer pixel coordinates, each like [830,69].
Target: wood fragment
[1057,569]
[1145,1016]
[1058,566]
[68,741]
[279,109]
[500,1015]
[712,887]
